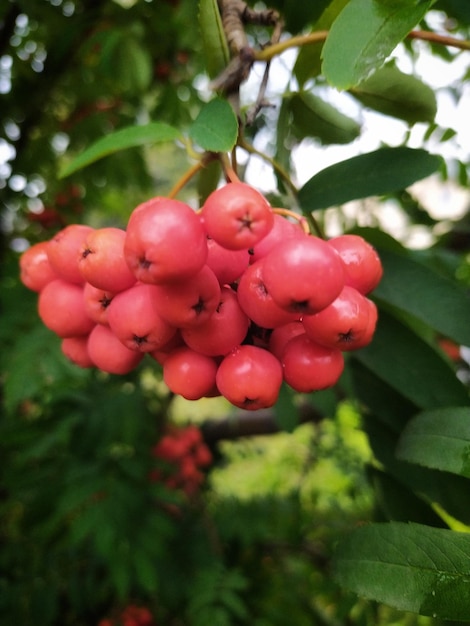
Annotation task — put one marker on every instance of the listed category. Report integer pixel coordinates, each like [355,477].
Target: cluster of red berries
[132,615]
[183,454]
[230,301]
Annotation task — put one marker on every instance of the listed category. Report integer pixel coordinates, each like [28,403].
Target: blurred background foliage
[84,532]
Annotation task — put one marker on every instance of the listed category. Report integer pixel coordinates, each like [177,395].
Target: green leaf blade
[375,173]
[394,93]
[213,37]
[364,35]
[439,439]
[425,294]
[313,117]
[216,127]
[129,137]
[410,567]
[411,366]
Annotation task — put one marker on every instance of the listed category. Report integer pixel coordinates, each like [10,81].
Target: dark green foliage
[106,106]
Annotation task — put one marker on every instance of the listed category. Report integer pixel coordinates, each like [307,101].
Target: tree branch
[250,423]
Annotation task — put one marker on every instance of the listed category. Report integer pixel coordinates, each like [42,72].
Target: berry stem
[268,53]
[230,174]
[303,221]
[188,175]
[274,164]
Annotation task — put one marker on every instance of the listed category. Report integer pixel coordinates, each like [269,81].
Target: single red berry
[237,216]
[76,350]
[109,354]
[165,241]
[97,302]
[363,268]
[256,301]
[61,308]
[227,265]
[102,262]
[65,249]
[35,268]
[342,324]
[189,373]
[134,320]
[190,302]
[223,331]
[309,367]
[303,275]
[250,378]
[371,325]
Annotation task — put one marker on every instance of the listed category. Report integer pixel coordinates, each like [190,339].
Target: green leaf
[448,491]
[410,567]
[375,173]
[313,117]
[432,298]
[308,63]
[130,137]
[439,439]
[214,42]
[398,503]
[411,366]
[216,127]
[391,92]
[364,35]
[297,15]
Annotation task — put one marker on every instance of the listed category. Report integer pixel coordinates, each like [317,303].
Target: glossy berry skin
[281,335]
[161,354]
[227,265]
[309,367]
[371,325]
[109,354]
[76,350]
[303,275]
[189,373]
[282,229]
[224,330]
[97,302]
[102,262]
[250,378]
[342,324]
[237,216]
[62,309]
[256,301]
[363,268]
[165,241]
[65,249]
[190,302]
[35,268]
[135,322]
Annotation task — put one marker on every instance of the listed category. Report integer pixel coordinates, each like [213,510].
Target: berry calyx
[165,241]
[303,275]
[65,249]
[250,378]
[102,262]
[362,265]
[134,320]
[237,216]
[342,324]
